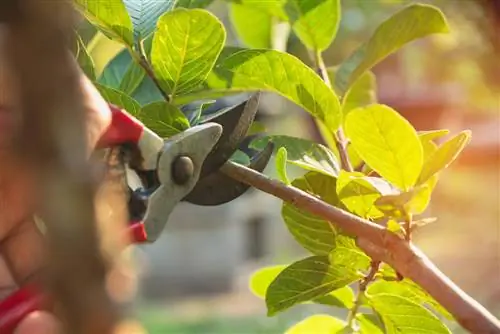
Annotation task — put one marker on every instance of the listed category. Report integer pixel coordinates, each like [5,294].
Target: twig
[340,140]
[383,246]
[361,291]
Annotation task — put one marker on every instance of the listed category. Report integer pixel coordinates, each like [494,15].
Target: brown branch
[381,245]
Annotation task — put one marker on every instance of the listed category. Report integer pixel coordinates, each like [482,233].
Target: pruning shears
[184,167]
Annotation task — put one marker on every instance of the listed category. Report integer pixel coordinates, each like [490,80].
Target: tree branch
[381,245]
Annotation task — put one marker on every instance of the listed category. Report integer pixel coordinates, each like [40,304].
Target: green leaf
[275,8]
[240,70]
[315,22]
[410,290]
[110,17]
[119,99]
[347,254]
[185,48]
[394,226]
[433,134]
[164,119]
[193,3]
[303,153]
[305,280]
[253,27]
[369,324]
[401,315]
[85,60]
[411,23]
[115,70]
[145,14]
[414,201]
[318,324]
[132,78]
[240,157]
[387,142]
[262,278]
[281,158]
[313,233]
[444,156]
[362,93]
[359,193]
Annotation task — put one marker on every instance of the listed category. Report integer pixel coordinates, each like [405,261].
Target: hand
[21,248]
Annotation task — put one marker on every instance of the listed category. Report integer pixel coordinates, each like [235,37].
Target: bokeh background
[195,278]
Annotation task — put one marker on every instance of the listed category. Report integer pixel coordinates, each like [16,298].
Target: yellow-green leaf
[193,3]
[303,153]
[411,23]
[312,232]
[305,280]
[369,324]
[401,315]
[185,48]
[315,22]
[444,156]
[111,17]
[281,159]
[407,289]
[262,278]
[254,27]
[359,193]
[318,324]
[241,70]
[164,119]
[387,142]
[433,134]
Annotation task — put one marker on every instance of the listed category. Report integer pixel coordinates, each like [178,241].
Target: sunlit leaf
[428,147]
[433,134]
[369,324]
[312,232]
[407,289]
[305,280]
[164,119]
[119,99]
[262,278]
[445,155]
[411,23]
[347,254]
[145,14]
[387,142]
[241,70]
[402,315]
[110,17]
[275,8]
[185,47]
[394,226]
[281,159]
[303,153]
[315,22]
[318,324]
[253,26]
[359,193]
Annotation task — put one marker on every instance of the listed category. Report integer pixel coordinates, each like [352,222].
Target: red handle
[124,128]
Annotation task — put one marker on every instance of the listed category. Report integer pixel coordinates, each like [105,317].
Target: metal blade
[218,188]
[235,124]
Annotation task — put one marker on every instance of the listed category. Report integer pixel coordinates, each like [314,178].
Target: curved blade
[218,188]
[235,124]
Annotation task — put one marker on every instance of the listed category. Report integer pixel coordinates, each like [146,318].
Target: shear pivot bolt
[182,169]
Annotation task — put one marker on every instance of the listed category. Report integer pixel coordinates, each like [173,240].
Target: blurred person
[21,243]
